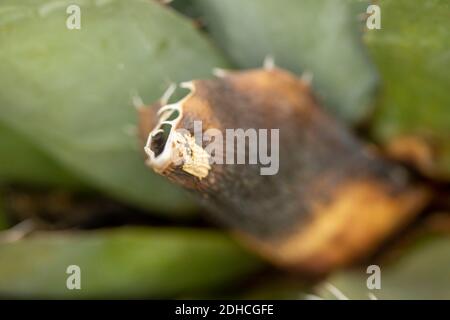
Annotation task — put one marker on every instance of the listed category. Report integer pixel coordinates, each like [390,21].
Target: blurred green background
[73,185]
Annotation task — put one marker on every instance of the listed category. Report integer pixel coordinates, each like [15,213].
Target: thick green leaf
[412,54]
[23,162]
[321,37]
[69,91]
[126,263]
[421,273]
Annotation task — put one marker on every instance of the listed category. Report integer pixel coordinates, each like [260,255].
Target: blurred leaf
[130,262]
[22,162]
[412,54]
[278,288]
[69,91]
[187,7]
[321,37]
[421,273]
[3,223]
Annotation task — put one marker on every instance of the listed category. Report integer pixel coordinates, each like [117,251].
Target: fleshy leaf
[123,263]
[69,91]
[421,273]
[23,162]
[412,54]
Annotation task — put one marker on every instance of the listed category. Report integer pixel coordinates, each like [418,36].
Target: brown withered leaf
[329,200]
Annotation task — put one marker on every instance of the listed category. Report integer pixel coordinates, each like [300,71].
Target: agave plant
[70,153]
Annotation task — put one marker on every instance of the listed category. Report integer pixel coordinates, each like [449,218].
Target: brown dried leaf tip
[331,201]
